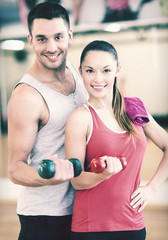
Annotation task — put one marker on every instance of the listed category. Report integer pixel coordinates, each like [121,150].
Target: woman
[108,205]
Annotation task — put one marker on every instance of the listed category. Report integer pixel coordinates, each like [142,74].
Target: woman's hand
[141,197]
[113,166]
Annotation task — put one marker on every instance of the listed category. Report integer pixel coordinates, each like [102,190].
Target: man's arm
[25,109]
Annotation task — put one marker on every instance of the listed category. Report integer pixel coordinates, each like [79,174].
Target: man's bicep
[22,129]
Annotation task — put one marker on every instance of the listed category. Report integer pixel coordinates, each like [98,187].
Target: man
[37,112]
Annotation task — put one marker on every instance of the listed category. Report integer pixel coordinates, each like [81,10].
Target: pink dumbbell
[98,164]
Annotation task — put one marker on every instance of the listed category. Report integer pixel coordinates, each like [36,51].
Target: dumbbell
[46,168]
[98,164]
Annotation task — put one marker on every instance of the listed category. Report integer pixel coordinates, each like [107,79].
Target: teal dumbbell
[46,168]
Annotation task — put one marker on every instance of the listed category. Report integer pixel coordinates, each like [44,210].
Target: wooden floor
[156,223]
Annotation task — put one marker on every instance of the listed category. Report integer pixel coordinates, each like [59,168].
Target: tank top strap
[96,122]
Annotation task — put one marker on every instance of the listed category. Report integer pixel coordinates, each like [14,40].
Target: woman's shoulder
[80,111]
[79,116]
[136,110]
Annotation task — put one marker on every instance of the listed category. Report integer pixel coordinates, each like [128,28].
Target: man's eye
[59,37]
[42,39]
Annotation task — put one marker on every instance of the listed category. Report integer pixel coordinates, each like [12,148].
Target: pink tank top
[106,207]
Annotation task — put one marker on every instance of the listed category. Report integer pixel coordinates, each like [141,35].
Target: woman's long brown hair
[119,111]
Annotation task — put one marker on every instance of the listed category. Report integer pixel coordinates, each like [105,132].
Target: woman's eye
[89,71]
[107,70]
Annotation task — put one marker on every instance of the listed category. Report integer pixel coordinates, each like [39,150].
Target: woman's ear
[80,70]
[118,70]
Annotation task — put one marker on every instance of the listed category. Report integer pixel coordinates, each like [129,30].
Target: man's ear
[29,38]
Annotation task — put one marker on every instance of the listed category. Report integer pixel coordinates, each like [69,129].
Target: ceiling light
[114,27]
[13,45]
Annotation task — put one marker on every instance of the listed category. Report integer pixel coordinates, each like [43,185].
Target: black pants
[122,235]
[45,227]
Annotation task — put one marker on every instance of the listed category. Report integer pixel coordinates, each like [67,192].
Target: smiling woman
[103,77]
[102,129]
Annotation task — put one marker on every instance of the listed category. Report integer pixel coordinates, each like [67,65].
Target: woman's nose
[98,77]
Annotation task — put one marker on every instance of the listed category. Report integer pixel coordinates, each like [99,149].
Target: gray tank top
[54,200]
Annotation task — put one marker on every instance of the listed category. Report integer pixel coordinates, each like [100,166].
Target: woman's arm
[77,131]
[160,138]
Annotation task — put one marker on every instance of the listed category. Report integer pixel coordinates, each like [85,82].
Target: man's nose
[52,46]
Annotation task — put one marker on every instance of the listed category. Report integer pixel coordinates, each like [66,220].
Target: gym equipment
[98,164]
[46,168]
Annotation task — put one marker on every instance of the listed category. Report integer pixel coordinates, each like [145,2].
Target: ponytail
[119,112]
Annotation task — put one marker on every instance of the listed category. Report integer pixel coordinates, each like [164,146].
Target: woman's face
[98,71]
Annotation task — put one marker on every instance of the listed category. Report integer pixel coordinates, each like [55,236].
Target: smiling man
[37,113]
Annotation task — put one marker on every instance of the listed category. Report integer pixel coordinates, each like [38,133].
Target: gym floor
[156,222]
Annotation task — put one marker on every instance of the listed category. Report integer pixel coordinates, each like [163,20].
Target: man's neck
[60,80]
[43,74]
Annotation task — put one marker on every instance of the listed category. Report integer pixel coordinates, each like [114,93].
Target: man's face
[50,40]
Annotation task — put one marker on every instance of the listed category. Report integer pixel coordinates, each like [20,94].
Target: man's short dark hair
[47,10]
